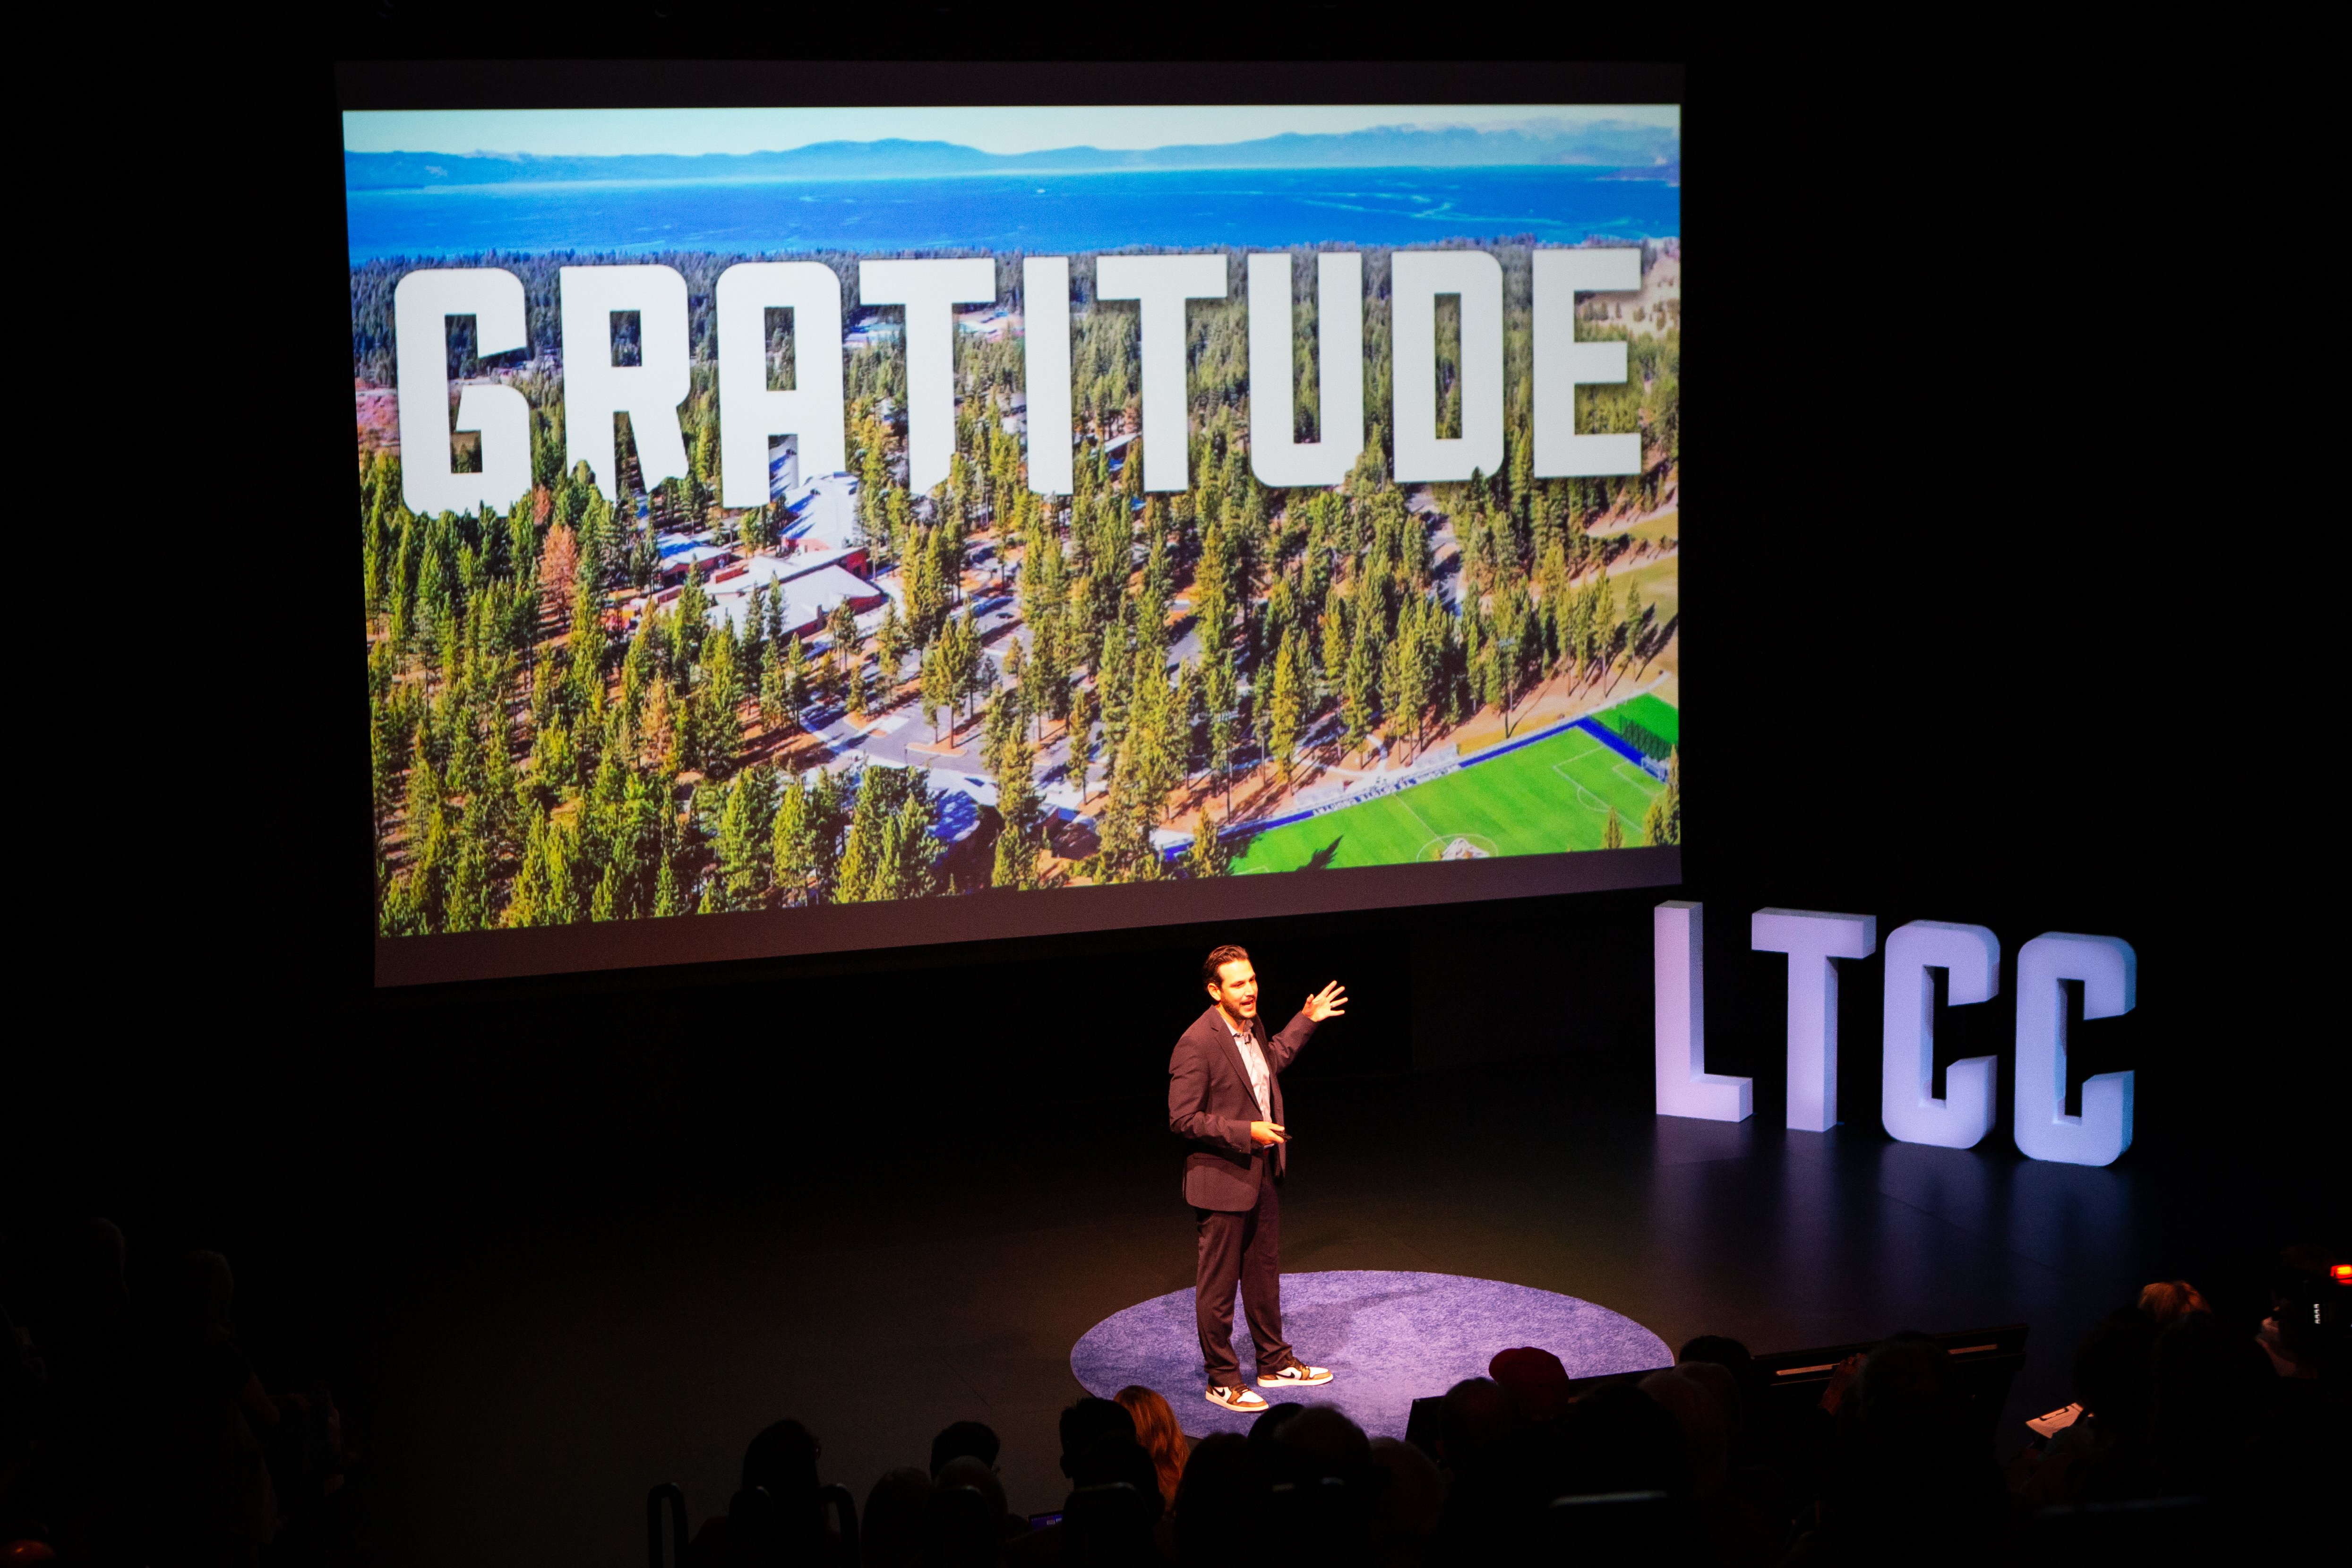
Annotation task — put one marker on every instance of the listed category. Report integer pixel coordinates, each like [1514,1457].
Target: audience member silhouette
[776,1518]
[964,1439]
[1218,1502]
[1535,1380]
[1913,1481]
[1405,1513]
[891,1530]
[972,1475]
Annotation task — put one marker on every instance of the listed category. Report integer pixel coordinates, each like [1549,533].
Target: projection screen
[803,529]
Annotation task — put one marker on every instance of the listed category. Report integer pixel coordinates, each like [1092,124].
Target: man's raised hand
[1329,1002]
[1264,1133]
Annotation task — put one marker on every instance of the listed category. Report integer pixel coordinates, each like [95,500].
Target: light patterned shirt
[1253,1060]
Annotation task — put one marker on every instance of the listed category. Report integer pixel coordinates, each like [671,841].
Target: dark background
[2001,614]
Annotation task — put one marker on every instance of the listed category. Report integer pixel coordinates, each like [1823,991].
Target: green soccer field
[1543,798]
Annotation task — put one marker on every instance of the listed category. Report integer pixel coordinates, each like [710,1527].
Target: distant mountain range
[1636,152]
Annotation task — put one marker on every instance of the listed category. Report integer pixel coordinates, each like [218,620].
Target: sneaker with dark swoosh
[1297,1375]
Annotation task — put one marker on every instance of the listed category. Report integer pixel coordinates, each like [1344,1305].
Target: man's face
[1236,988]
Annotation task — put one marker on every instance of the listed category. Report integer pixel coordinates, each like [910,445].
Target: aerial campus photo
[597,706]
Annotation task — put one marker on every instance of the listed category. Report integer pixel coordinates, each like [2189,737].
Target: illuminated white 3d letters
[421,308]
[749,411]
[1162,284]
[2109,971]
[1416,277]
[1561,364]
[1813,942]
[1276,457]
[1685,1088]
[1907,1105]
[649,392]
[931,290]
[1046,370]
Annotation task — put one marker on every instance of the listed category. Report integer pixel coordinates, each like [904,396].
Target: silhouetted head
[964,1439]
[958,1531]
[1535,1379]
[1908,1402]
[1114,1461]
[1321,1442]
[1217,1501]
[891,1530]
[969,1471]
[1477,1415]
[1270,1422]
[783,1459]
[1621,1440]
[1086,1422]
[1413,1495]
[1690,1395]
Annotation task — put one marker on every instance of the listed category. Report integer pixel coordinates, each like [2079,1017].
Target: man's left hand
[1329,1002]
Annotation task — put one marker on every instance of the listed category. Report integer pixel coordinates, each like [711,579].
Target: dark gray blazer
[1209,1106]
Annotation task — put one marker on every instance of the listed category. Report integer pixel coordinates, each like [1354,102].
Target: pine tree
[1613,836]
[608,902]
[404,912]
[1287,712]
[1208,856]
[657,731]
[1022,808]
[913,867]
[863,857]
[1334,651]
[745,838]
[528,896]
[791,844]
[563,902]
[466,905]
[1220,695]
[720,697]
[775,714]
[890,648]
[1360,694]
[1636,617]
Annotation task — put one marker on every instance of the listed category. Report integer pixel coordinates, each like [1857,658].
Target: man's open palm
[1329,1002]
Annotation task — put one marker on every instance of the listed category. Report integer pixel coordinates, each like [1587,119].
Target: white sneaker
[1296,1376]
[1237,1399]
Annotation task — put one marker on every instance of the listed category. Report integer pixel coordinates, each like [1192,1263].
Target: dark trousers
[1245,1247]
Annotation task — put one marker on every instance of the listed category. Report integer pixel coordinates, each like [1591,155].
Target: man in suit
[1225,1101]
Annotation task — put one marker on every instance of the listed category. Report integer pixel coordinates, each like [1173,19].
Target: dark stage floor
[546,1371]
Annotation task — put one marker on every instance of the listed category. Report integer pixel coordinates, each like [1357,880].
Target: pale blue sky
[588,133]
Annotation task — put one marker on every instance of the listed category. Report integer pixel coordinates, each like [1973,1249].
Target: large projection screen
[794,528]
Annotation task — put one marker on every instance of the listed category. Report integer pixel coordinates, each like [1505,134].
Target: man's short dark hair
[961,1440]
[1217,959]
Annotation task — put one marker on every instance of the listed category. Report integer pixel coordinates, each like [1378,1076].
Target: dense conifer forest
[543,754]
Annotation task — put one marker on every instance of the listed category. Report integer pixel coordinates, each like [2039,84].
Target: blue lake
[1039,213]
